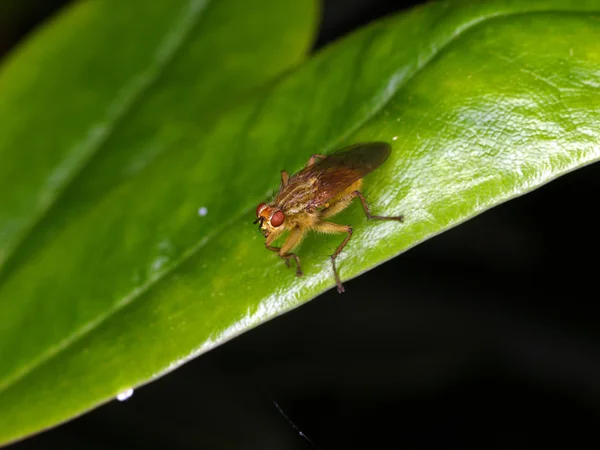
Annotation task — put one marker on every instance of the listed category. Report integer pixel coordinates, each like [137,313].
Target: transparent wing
[339,170]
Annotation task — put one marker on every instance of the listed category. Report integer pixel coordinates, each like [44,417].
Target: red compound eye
[259,208]
[277,219]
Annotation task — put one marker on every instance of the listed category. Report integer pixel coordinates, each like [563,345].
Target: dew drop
[202,211]
[125,395]
[159,263]
[394,138]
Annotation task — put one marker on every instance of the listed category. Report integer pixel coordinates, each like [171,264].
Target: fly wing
[339,170]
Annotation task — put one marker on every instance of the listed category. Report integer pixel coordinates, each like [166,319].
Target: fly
[324,188]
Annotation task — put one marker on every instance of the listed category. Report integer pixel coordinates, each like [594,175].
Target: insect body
[325,187]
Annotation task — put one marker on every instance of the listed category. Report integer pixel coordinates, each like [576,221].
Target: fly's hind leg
[341,204]
[329,227]
[336,205]
[290,243]
[365,206]
[340,201]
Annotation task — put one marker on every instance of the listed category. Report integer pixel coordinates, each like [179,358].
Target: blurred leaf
[105,88]
[478,109]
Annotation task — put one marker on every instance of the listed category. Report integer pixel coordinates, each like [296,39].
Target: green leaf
[105,88]
[98,94]
[481,102]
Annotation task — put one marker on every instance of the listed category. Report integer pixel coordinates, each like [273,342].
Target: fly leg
[287,259]
[365,206]
[290,243]
[344,202]
[330,227]
[335,207]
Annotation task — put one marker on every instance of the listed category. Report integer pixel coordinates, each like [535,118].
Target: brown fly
[325,187]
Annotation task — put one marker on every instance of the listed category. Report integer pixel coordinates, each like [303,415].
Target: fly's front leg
[290,243]
[277,250]
[273,249]
[329,227]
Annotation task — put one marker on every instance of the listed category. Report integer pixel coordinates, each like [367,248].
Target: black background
[483,337]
